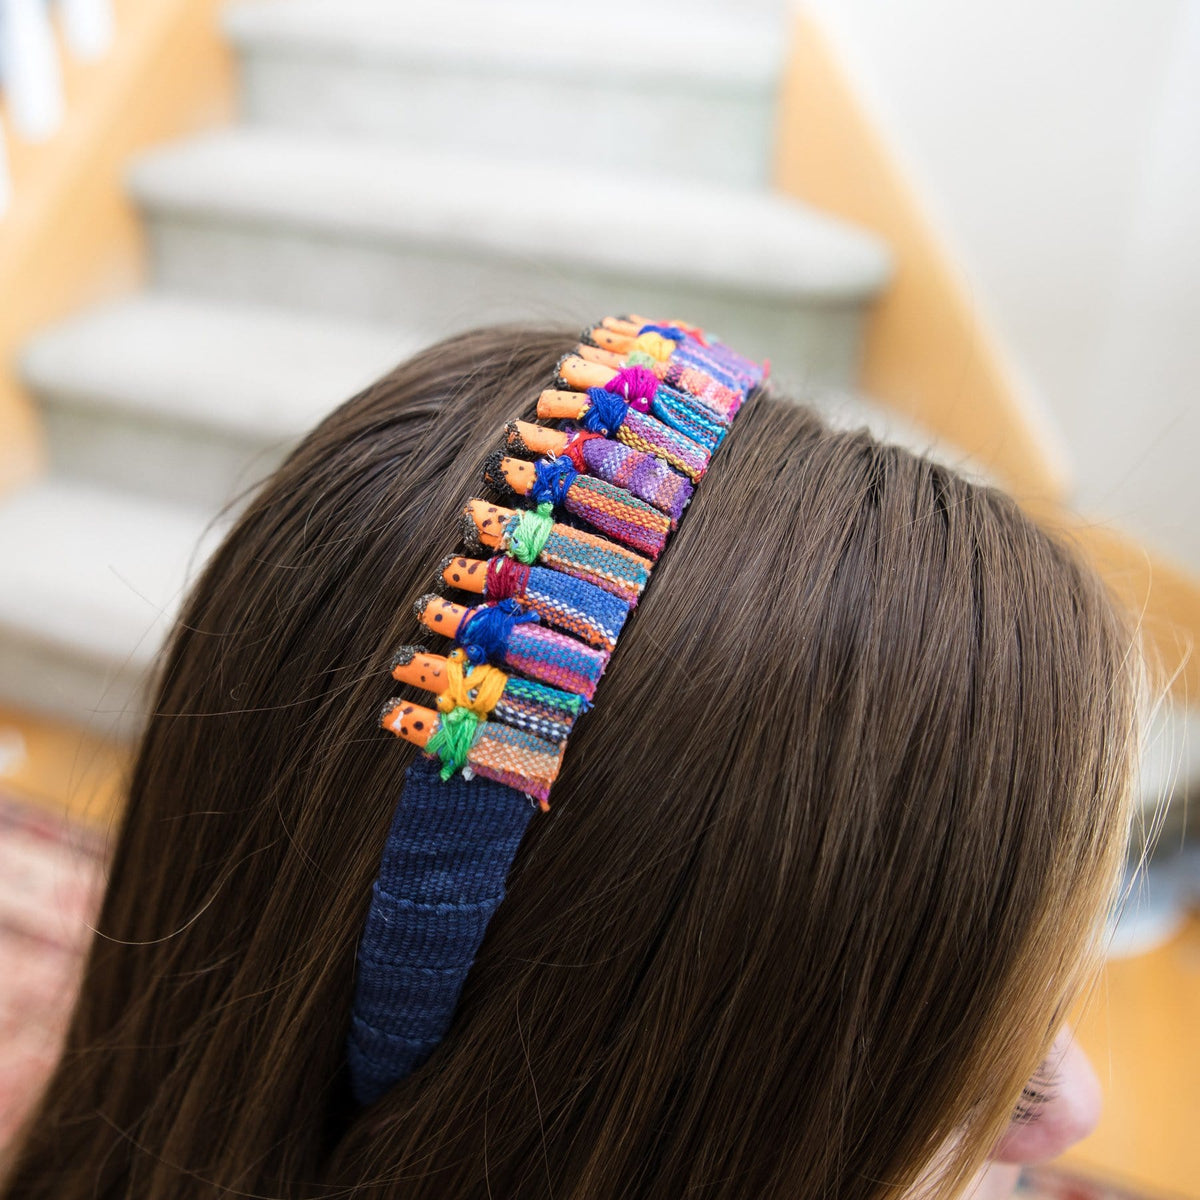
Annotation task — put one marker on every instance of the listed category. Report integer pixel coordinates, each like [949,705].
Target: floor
[1141,1025]
[1141,1028]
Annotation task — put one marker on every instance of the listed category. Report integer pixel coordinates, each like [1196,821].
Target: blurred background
[972,227]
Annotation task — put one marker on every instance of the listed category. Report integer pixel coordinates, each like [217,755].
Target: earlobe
[995,1181]
[1069,1113]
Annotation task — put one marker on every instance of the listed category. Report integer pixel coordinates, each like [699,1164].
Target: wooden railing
[85,85]
[31,71]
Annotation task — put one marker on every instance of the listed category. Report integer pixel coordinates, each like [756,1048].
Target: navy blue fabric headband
[448,852]
[666,394]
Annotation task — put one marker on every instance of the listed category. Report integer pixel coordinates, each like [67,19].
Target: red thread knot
[574,448]
[506,577]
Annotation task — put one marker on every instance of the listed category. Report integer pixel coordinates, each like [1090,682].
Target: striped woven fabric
[688,416]
[722,398]
[718,362]
[556,659]
[468,743]
[619,514]
[694,349]
[610,509]
[648,434]
[544,711]
[642,389]
[575,605]
[516,758]
[588,556]
[540,653]
[643,475]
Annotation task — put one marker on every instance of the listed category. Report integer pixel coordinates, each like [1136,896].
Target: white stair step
[193,400]
[648,41]
[434,242]
[661,88]
[92,582]
[640,228]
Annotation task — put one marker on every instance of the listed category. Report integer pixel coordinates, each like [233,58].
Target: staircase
[400,171]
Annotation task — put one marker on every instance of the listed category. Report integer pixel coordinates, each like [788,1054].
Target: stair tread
[258,372]
[658,43]
[96,572]
[770,244]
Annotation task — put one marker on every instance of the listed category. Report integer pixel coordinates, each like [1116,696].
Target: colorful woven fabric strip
[610,509]
[713,358]
[641,388]
[544,711]
[643,475]
[579,607]
[618,513]
[517,758]
[531,649]
[681,411]
[722,398]
[643,432]
[588,556]
[464,741]
[454,838]
[556,659]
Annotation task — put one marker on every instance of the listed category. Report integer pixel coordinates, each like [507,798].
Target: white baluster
[88,25]
[29,69]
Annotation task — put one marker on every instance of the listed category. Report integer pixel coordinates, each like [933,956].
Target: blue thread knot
[554,479]
[605,412]
[485,633]
[668,331]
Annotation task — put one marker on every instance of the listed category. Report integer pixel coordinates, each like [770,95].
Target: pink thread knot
[636,385]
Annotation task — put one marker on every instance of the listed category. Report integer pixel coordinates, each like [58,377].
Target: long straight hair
[823,870]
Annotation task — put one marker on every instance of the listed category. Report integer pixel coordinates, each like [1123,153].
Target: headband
[639,409]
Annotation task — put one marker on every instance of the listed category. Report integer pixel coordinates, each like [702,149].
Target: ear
[1070,1114]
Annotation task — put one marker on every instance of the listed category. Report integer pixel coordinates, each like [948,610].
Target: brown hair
[822,870]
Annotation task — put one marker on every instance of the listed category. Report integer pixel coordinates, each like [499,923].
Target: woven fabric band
[652,402]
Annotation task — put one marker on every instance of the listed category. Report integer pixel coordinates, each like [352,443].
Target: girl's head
[825,867]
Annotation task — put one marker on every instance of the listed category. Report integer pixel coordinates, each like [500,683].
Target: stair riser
[688,129]
[437,292]
[177,462]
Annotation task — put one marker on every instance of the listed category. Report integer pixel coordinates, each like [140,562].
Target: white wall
[1056,144]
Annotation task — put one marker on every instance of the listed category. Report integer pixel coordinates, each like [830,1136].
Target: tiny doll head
[825,868]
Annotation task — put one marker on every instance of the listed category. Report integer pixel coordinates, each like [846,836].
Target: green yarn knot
[639,358]
[531,532]
[452,741]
